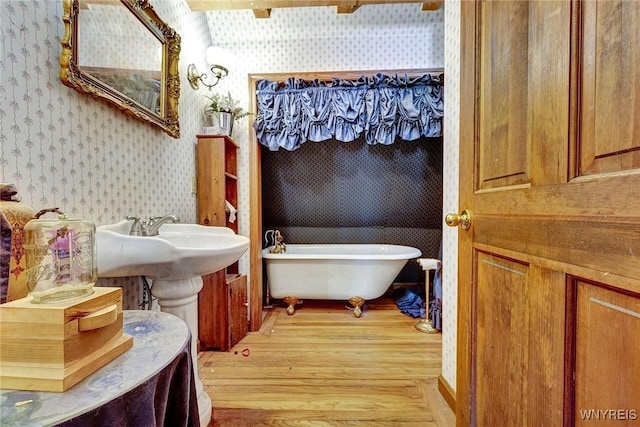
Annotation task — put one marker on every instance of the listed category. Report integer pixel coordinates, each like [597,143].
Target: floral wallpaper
[450,190]
[66,149]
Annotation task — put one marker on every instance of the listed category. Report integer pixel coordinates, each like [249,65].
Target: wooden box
[53,346]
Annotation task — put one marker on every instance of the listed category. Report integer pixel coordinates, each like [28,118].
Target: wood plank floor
[324,367]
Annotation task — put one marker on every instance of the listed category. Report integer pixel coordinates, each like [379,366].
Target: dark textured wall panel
[335,192]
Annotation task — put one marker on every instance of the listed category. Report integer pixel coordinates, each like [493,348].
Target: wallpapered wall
[450,190]
[69,150]
[66,149]
[381,37]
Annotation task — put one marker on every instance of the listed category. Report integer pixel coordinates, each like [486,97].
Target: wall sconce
[215,56]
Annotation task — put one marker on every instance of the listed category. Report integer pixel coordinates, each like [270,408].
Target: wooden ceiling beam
[262,8]
[262,13]
[347,8]
[432,5]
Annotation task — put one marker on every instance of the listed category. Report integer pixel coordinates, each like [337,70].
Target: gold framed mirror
[122,52]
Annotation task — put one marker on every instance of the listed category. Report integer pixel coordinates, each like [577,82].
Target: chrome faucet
[150,227]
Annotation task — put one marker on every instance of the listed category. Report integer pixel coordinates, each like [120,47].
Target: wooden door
[549,280]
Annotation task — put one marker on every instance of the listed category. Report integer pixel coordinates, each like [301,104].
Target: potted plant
[222,111]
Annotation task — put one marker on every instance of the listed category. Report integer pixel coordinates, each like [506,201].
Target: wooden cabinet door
[238,314]
[213,312]
[222,311]
[550,170]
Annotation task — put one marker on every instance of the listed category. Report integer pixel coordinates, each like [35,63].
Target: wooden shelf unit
[222,312]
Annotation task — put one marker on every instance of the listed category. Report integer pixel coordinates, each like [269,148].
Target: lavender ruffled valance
[381,106]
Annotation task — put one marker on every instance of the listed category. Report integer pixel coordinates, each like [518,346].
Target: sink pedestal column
[180,298]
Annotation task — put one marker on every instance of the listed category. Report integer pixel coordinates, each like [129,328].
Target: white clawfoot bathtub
[353,272]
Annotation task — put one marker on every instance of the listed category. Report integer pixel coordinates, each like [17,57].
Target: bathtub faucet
[280,246]
[150,227]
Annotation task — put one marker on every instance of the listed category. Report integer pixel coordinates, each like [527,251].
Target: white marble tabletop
[157,339]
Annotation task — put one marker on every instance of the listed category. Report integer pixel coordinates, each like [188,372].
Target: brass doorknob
[462,219]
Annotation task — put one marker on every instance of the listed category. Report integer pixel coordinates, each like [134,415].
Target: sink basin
[175,259]
[178,251]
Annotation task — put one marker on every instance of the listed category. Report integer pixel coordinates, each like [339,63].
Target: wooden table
[149,385]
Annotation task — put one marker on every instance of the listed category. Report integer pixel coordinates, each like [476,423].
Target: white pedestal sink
[175,259]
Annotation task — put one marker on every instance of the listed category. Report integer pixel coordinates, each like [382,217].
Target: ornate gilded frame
[72,75]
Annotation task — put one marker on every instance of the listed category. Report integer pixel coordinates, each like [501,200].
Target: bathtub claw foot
[357,303]
[292,301]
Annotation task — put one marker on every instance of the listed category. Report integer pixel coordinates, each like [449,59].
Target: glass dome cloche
[60,257]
